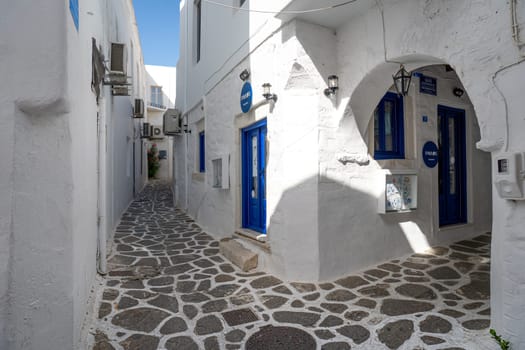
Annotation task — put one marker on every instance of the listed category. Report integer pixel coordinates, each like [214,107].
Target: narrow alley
[169,288]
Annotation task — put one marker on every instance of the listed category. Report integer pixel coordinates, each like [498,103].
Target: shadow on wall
[328,225]
[340,231]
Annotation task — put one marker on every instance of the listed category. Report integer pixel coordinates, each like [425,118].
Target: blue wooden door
[253,177]
[452,166]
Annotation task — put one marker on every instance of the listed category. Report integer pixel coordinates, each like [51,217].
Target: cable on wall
[282,12]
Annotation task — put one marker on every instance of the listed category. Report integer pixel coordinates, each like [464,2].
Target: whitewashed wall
[163,76]
[49,191]
[228,36]
[344,232]
[475,39]
[166,77]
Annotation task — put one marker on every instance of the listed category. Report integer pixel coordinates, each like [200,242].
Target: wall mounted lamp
[267,93]
[458,92]
[333,86]
[402,81]
[244,75]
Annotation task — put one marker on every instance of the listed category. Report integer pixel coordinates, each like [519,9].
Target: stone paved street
[169,288]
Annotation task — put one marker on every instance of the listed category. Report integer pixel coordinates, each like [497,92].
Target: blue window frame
[202,162]
[73,7]
[389,139]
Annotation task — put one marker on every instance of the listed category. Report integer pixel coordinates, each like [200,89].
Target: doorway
[452,166]
[254,176]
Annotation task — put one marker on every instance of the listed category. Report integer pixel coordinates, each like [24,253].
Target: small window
[389,140]
[157,97]
[217,173]
[202,154]
[198,23]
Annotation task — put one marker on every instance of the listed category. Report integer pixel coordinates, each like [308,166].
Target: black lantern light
[458,92]
[333,85]
[267,92]
[402,81]
[244,75]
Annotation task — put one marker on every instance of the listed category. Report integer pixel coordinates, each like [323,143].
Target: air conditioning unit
[118,59]
[138,111]
[172,122]
[117,66]
[146,131]
[156,132]
[120,90]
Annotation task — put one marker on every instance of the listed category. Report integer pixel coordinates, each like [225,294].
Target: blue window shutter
[73,7]
[395,126]
[202,161]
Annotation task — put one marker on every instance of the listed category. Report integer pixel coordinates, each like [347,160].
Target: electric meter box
[510,175]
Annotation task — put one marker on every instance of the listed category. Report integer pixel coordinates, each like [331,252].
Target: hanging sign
[427,85]
[246,97]
[430,154]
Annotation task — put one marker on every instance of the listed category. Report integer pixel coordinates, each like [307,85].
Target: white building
[69,159]
[161,83]
[311,170]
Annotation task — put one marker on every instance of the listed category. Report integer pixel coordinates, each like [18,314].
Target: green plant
[153,161]
[504,344]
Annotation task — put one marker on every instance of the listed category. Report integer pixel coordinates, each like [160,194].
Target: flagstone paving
[169,288]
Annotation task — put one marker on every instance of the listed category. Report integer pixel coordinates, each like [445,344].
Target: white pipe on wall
[101,196]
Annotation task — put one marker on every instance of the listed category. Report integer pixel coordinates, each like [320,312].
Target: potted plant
[153,161]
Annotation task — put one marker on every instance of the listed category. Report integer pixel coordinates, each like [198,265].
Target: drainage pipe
[514,23]
[101,195]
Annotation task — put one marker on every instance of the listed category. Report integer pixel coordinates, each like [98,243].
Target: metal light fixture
[267,92]
[458,92]
[244,75]
[333,86]
[402,81]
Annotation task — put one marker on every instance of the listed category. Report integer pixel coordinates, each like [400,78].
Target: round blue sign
[246,97]
[430,154]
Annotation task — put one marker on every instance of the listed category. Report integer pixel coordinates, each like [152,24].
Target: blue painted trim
[202,154]
[73,8]
[398,133]
[259,128]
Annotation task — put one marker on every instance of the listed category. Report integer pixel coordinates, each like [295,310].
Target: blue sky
[158,22]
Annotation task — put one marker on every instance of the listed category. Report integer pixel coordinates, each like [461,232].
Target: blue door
[452,166]
[253,177]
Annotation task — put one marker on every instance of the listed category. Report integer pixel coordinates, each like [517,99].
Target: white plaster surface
[48,184]
[315,203]
[164,77]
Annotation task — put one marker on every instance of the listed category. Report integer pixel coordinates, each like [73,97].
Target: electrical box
[510,175]
[221,172]
[398,192]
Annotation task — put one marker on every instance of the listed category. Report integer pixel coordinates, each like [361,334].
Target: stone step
[234,251]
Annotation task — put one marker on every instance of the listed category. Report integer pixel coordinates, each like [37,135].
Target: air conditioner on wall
[117,66]
[120,90]
[138,110]
[172,122]
[118,59]
[156,132]
[146,131]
